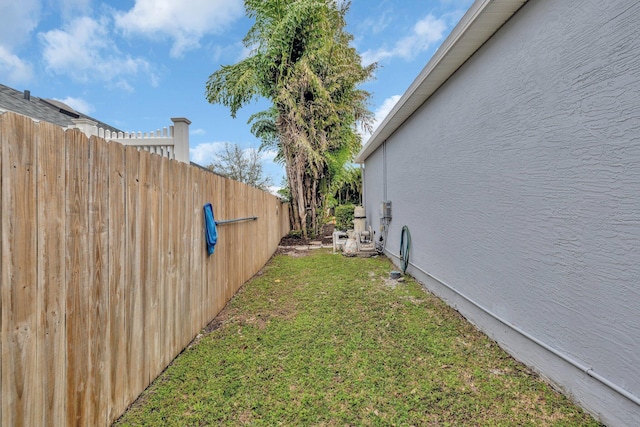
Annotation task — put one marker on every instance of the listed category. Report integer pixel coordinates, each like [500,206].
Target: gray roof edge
[41,109]
[477,26]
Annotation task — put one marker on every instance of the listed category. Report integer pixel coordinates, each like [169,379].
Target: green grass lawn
[328,340]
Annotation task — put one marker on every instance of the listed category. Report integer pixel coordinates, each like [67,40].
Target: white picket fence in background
[172,142]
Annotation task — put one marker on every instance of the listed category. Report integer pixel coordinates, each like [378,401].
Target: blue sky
[136,63]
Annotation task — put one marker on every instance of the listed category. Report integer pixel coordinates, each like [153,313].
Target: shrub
[295,234]
[344,217]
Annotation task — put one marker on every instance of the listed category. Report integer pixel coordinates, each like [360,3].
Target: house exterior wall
[374,186]
[519,180]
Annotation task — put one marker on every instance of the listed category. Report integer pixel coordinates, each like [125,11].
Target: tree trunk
[304,179]
[295,175]
[306,199]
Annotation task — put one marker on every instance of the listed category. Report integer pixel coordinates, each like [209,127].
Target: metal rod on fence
[250,218]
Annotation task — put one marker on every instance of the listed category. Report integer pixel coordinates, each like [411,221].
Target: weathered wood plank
[3,215]
[143,242]
[197,221]
[186,249]
[170,208]
[242,228]
[254,229]
[20,382]
[134,306]
[78,381]
[179,230]
[234,253]
[149,261]
[117,260]
[212,271]
[227,246]
[51,199]
[164,262]
[219,255]
[113,277]
[98,304]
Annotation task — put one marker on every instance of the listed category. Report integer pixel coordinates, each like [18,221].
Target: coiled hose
[405,247]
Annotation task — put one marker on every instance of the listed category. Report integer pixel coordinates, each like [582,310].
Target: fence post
[181,138]
[88,127]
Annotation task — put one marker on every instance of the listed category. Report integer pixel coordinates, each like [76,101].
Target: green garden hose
[405,247]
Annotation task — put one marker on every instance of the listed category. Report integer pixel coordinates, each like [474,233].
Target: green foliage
[263,126]
[303,63]
[344,217]
[347,187]
[328,340]
[284,193]
[295,234]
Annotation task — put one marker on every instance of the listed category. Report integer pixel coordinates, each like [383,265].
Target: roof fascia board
[478,25]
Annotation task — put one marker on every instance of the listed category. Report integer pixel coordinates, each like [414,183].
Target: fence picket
[186,205]
[51,270]
[163,266]
[151,254]
[171,271]
[196,259]
[134,308]
[20,384]
[104,276]
[98,304]
[4,397]
[117,251]
[79,382]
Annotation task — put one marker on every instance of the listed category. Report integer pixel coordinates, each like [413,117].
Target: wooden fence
[105,276]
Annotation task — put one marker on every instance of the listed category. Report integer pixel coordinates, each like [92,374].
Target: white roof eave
[480,22]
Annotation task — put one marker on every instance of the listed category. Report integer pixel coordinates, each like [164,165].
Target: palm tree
[302,62]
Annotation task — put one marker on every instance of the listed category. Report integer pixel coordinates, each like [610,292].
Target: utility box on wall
[385,210]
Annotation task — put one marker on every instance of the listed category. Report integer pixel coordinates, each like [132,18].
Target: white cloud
[204,154]
[72,8]
[426,32]
[380,114]
[245,52]
[17,20]
[274,190]
[84,50]
[184,21]
[375,25]
[429,30]
[263,156]
[268,155]
[13,69]
[454,17]
[198,131]
[385,109]
[77,104]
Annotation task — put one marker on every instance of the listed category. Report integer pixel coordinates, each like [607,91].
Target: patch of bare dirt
[295,253]
[326,238]
[298,246]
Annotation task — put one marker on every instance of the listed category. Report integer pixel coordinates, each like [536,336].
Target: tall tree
[241,165]
[347,187]
[303,63]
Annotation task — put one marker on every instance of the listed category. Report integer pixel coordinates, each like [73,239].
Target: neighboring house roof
[47,110]
[481,21]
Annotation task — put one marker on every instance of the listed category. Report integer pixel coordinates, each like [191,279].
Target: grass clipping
[330,341]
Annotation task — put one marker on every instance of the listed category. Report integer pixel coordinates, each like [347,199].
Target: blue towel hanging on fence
[210,228]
